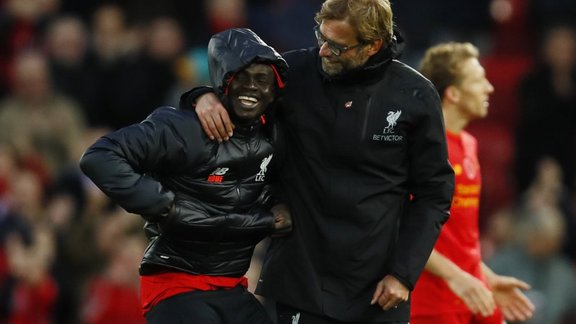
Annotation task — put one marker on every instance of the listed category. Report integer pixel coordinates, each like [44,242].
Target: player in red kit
[456,287]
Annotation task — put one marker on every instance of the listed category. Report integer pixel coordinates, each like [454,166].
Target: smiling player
[206,203]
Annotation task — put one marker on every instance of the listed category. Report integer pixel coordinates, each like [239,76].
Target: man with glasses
[334,48]
[366,176]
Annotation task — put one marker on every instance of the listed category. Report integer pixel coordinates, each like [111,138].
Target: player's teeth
[252,99]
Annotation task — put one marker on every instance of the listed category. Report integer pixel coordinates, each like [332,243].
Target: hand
[389,293]
[160,218]
[477,297]
[283,220]
[214,117]
[509,297]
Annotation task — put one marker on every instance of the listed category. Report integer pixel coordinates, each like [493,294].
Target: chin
[246,115]
[331,69]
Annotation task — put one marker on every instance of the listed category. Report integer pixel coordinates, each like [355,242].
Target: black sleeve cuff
[188,99]
[403,280]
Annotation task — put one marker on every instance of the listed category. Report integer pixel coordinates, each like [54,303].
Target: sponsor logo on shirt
[388,133]
[217,176]
[466,196]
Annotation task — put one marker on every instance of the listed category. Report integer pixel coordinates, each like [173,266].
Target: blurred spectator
[75,207]
[191,15]
[547,109]
[547,189]
[511,34]
[424,23]
[110,34]
[66,41]
[37,120]
[73,191]
[224,14]
[83,9]
[113,296]
[497,231]
[73,73]
[165,40]
[134,65]
[113,49]
[533,256]
[544,13]
[191,71]
[32,290]
[8,167]
[11,225]
[21,26]
[274,21]
[164,52]
[35,292]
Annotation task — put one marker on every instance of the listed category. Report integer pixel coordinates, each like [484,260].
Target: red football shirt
[459,238]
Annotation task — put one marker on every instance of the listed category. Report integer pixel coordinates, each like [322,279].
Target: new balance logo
[217,175]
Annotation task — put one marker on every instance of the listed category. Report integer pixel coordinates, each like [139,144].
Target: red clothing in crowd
[33,304]
[109,302]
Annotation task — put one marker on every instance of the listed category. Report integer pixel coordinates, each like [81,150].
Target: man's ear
[374,47]
[452,93]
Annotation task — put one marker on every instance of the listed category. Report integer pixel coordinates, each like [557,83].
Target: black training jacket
[219,191]
[368,182]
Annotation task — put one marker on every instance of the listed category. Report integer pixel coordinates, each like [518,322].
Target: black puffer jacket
[218,190]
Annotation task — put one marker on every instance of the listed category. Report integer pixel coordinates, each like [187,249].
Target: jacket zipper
[238,183]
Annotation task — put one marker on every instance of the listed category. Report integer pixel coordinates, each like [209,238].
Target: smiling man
[206,204]
[251,91]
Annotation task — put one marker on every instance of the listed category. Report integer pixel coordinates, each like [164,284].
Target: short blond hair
[441,63]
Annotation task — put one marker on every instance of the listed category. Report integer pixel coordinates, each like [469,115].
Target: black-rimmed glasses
[336,49]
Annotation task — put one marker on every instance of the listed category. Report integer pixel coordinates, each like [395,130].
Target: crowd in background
[70,71]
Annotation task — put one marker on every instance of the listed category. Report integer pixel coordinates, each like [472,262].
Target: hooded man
[206,204]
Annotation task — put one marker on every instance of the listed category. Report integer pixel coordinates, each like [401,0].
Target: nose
[324,50]
[251,84]
[490,87]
